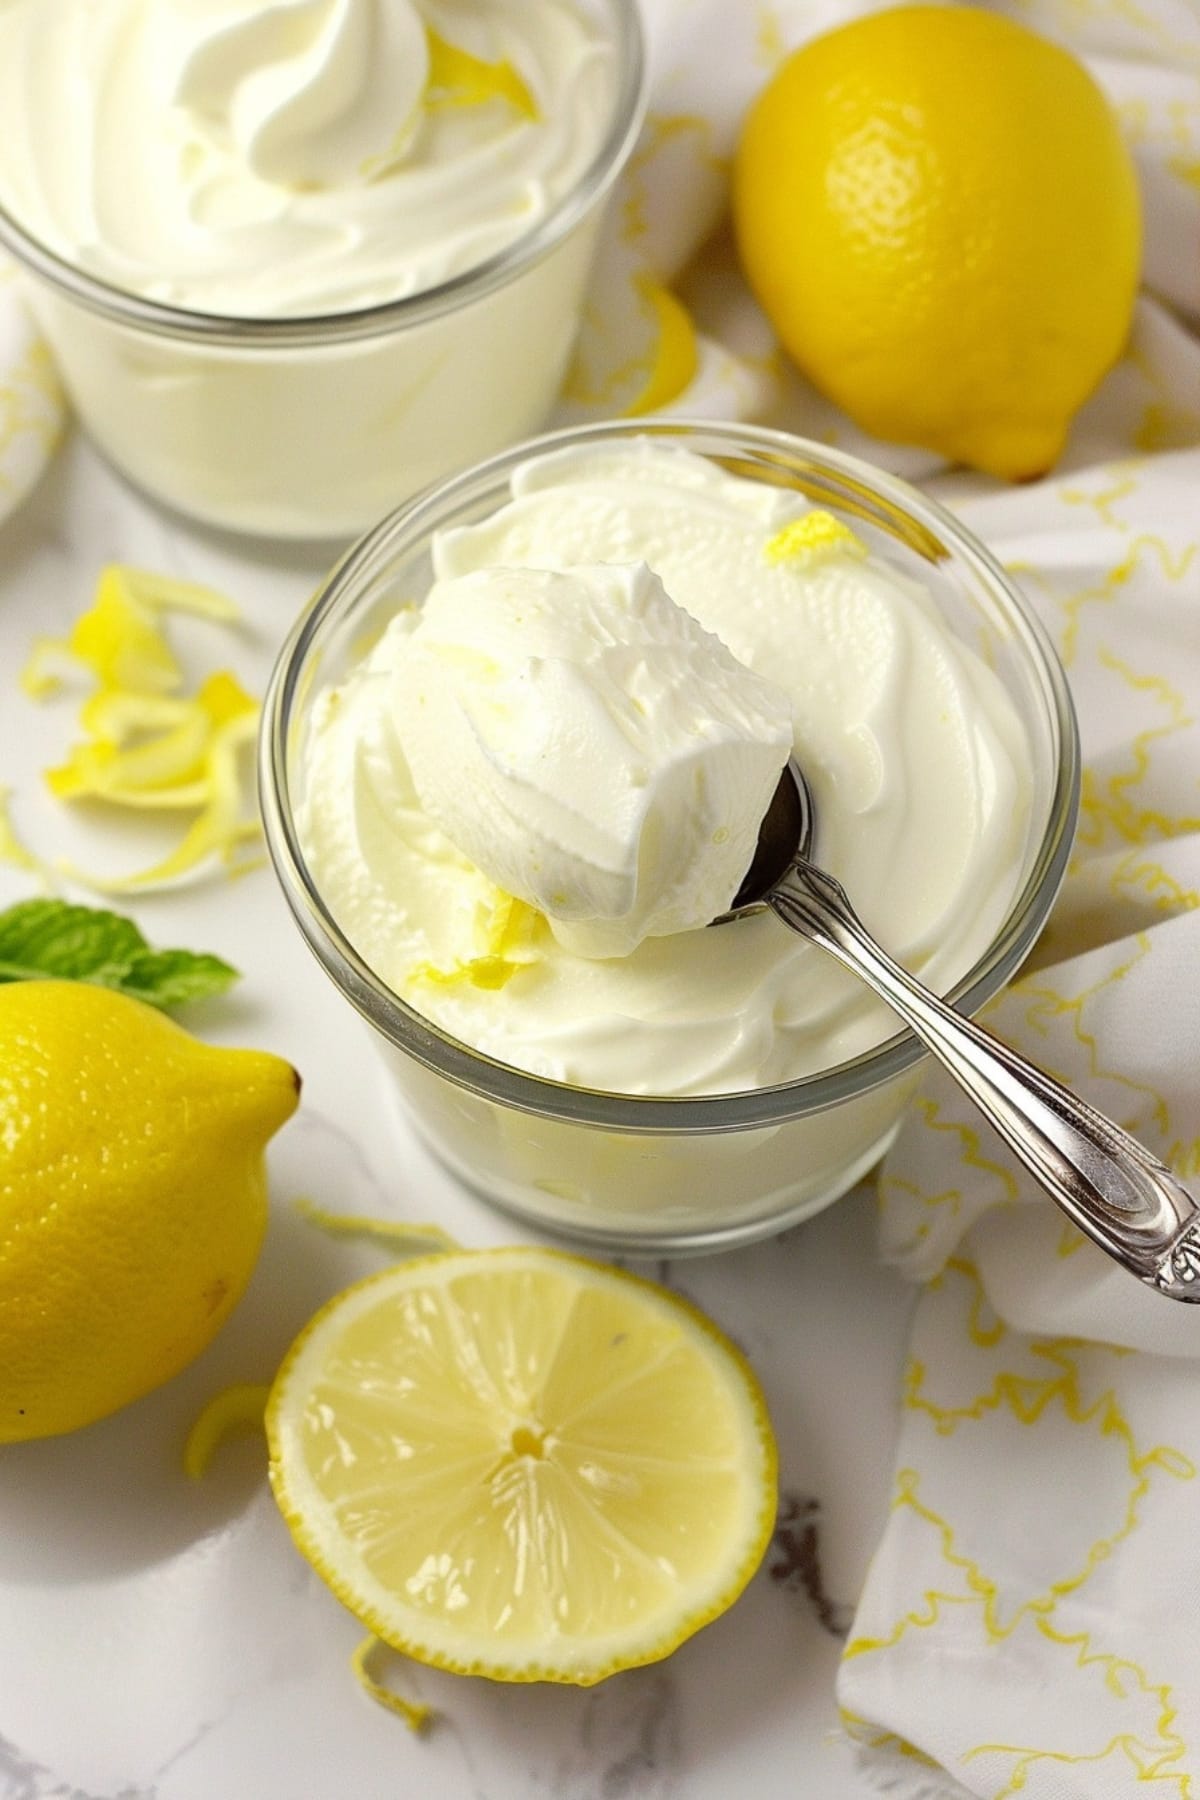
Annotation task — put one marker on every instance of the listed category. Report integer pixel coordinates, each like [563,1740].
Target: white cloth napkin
[31,403]
[1029,1625]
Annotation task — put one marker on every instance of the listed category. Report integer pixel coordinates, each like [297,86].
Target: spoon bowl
[1104,1180]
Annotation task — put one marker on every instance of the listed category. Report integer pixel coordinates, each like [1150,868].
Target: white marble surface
[161,1638]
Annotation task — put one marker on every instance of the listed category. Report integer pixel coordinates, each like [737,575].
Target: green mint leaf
[58,940]
[52,937]
[173,977]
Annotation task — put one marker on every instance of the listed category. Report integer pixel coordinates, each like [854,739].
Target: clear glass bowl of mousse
[673,1173]
[309,427]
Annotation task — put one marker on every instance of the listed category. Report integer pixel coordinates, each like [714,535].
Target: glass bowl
[311,427]
[645,1174]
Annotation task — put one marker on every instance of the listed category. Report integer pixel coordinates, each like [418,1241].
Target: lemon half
[521,1464]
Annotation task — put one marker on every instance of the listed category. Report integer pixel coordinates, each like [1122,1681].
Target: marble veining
[794,1561]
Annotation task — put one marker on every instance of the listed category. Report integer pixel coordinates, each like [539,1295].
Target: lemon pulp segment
[520,1464]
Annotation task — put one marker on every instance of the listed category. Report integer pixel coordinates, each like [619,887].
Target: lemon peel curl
[416,1715]
[147,746]
[240,1407]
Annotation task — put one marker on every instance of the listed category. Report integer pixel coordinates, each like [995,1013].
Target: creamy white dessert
[291,168]
[588,746]
[306,156]
[916,758]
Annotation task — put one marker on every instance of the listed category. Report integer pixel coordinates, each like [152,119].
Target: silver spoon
[1122,1197]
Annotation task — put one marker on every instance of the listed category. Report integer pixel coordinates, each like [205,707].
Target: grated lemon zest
[146,746]
[456,78]
[814,539]
[389,1231]
[486,972]
[508,945]
[415,1715]
[238,1408]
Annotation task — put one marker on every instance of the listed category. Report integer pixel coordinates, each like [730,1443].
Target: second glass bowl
[312,427]
[647,1174]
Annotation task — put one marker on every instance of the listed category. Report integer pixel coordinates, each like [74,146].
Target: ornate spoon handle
[1122,1197]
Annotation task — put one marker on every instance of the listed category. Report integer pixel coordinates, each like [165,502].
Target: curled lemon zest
[508,945]
[163,767]
[814,539]
[39,677]
[389,1231]
[116,640]
[456,78]
[168,594]
[415,1715]
[146,746]
[238,1408]
[217,831]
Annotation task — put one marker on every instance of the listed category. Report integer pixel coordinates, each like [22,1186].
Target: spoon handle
[1122,1197]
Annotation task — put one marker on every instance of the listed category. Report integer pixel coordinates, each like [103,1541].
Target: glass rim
[161,318]
[672,1115]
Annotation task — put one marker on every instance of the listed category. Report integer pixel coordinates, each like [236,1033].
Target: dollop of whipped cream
[294,156]
[913,749]
[308,93]
[590,747]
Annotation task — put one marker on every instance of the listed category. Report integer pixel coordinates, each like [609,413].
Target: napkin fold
[1028,1624]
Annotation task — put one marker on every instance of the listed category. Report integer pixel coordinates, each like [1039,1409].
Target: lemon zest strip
[389,1231]
[416,1715]
[117,639]
[217,830]
[240,1407]
[147,747]
[169,594]
[38,678]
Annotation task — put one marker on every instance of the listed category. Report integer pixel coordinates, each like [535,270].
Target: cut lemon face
[521,1464]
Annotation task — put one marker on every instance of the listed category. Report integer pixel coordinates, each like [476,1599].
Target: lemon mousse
[450,819]
[304,157]
[585,743]
[297,259]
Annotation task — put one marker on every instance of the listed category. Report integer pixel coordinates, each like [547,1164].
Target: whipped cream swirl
[914,751]
[281,157]
[589,747]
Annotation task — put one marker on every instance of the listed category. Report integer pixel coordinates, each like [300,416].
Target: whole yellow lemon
[132,1197]
[938,213]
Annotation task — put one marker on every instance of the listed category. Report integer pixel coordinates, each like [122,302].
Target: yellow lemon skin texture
[132,1197]
[937,211]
